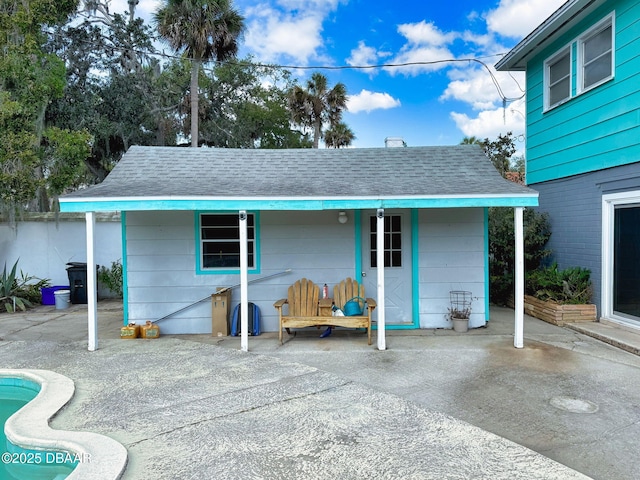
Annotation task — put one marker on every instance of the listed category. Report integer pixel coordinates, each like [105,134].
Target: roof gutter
[515,60]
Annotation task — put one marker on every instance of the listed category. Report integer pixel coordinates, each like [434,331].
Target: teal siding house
[583,142]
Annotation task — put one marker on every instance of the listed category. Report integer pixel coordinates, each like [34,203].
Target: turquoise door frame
[415,304]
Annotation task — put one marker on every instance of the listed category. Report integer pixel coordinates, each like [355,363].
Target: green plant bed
[560,296]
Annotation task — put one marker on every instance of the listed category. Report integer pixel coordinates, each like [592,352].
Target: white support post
[518,338]
[244,283]
[382,341]
[92,299]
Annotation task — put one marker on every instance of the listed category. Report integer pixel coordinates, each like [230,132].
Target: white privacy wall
[451,257]
[44,244]
[162,278]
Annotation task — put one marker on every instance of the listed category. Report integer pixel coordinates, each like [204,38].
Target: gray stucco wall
[44,243]
[574,205]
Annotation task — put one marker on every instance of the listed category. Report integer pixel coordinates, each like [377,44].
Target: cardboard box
[220,313]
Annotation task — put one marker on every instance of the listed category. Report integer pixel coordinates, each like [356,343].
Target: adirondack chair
[302,299]
[306,309]
[347,290]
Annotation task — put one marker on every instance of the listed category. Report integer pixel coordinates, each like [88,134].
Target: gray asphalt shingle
[303,173]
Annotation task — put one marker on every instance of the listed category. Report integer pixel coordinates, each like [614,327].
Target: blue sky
[436,104]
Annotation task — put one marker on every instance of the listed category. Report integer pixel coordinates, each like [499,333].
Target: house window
[558,78]
[220,241]
[596,55]
[392,241]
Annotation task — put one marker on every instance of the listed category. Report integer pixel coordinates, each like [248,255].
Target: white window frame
[547,77]
[609,204]
[608,21]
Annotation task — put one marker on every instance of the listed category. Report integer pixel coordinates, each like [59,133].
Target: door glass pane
[626,261]
[392,241]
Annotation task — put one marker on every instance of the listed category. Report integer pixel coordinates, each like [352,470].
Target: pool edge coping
[29,428]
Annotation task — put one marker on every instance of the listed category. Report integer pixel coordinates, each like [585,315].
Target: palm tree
[206,30]
[316,105]
[471,141]
[340,135]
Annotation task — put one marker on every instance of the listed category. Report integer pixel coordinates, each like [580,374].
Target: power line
[380,66]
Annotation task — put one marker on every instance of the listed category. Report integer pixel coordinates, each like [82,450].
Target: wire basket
[460,304]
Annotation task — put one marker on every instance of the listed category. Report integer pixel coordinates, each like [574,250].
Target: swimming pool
[19,463]
[30,440]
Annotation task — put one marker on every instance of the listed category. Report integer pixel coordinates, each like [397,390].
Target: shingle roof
[302,173]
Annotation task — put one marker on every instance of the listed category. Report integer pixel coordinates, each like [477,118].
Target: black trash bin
[77,273]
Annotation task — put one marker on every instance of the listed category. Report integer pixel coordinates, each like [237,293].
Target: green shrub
[569,286]
[111,278]
[19,292]
[537,232]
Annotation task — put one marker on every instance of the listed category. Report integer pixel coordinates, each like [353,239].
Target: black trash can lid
[76,265]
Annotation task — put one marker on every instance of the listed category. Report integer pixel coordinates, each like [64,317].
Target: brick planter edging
[559,315]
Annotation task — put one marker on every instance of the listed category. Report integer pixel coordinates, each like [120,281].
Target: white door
[397,259]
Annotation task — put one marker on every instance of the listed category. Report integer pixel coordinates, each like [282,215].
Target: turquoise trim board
[415,277]
[357,234]
[125,282]
[231,271]
[415,264]
[293,204]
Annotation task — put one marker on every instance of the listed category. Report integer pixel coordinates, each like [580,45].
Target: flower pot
[460,325]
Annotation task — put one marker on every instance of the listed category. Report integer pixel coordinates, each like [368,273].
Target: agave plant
[16,292]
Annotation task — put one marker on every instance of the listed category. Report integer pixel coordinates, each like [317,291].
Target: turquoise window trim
[125,276]
[486,265]
[231,271]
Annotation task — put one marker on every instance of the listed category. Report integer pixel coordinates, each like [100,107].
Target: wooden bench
[307,309]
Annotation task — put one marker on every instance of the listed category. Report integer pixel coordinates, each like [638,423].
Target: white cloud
[491,123]
[364,55]
[271,34]
[477,86]
[426,47]
[287,29]
[367,101]
[518,18]
[423,33]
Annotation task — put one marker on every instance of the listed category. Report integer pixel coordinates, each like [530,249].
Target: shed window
[596,55]
[220,240]
[559,78]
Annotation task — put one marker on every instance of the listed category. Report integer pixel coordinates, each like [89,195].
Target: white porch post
[92,300]
[518,339]
[382,341]
[244,284]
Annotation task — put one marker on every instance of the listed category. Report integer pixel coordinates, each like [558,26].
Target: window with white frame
[220,241]
[596,55]
[558,76]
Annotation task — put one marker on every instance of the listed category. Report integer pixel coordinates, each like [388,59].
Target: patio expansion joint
[238,412]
